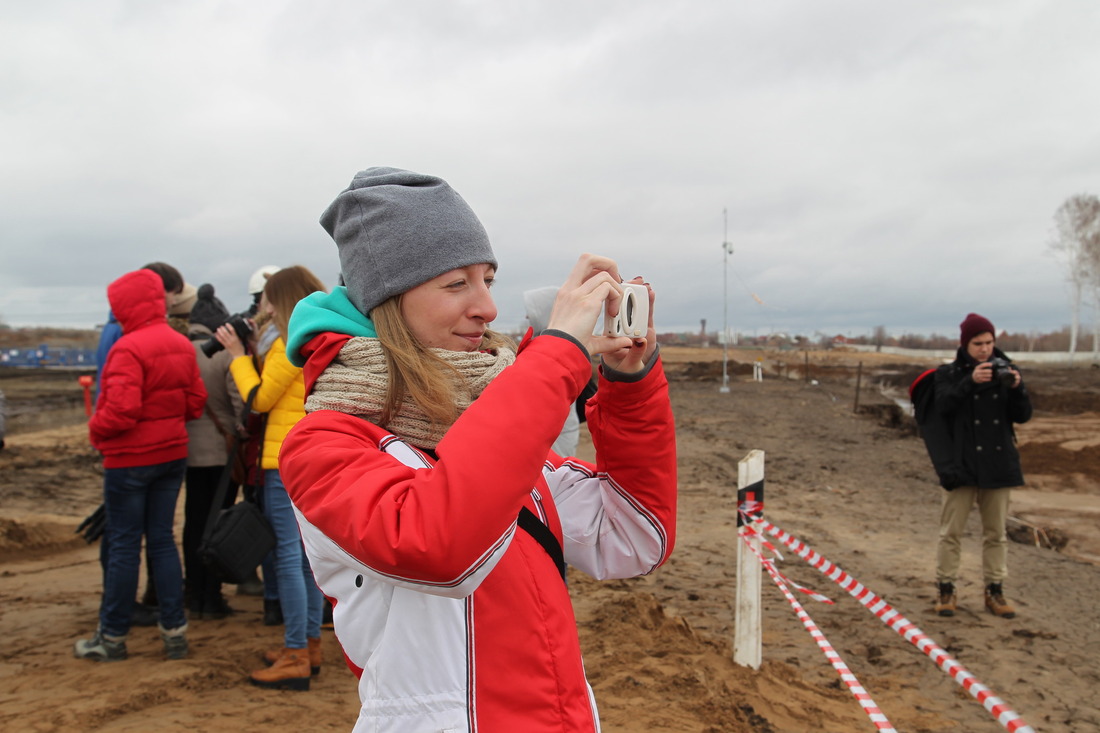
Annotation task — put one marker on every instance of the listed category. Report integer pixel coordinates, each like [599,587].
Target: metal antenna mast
[727,250]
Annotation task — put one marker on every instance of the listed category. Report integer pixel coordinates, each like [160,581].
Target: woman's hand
[633,358]
[593,286]
[593,282]
[227,337]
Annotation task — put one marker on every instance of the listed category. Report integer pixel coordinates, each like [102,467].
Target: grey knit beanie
[396,229]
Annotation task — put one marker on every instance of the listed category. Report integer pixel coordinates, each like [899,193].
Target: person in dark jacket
[151,387]
[982,395]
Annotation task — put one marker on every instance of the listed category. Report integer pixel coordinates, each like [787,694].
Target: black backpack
[934,428]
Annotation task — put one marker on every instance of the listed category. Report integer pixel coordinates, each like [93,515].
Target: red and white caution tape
[811,593]
[880,608]
[880,721]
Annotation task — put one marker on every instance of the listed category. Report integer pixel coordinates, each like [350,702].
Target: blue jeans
[299,596]
[141,500]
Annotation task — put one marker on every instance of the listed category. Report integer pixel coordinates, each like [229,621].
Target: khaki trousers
[993,508]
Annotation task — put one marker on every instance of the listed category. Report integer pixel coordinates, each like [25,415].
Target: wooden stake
[859,378]
[747,629]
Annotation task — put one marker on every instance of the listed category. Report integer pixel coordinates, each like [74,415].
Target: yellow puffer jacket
[281,395]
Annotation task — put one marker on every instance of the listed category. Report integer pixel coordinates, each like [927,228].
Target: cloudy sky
[881,163]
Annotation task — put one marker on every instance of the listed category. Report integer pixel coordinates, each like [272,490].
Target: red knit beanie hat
[972,325]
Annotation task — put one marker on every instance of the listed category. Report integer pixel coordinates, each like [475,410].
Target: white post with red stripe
[747,627]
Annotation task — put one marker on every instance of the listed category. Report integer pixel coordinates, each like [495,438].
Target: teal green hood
[319,313]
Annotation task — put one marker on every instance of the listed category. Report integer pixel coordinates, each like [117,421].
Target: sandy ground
[855,485]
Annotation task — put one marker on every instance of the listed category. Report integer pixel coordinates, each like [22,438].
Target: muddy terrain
[845,473]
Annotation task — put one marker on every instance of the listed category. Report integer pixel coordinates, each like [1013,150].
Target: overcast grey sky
[883,163]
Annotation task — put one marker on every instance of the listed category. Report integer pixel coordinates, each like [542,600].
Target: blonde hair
[285,288]
[415,370]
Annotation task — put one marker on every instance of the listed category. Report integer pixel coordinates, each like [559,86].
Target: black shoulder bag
[235,540]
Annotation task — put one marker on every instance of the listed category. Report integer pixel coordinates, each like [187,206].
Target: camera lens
[211,347]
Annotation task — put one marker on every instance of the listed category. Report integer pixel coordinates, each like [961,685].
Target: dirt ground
[844,473]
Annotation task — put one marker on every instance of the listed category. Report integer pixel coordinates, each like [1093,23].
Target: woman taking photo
[279,394]
[433,511]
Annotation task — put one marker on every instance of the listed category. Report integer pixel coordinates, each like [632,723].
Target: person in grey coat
[209,437]
[539,303]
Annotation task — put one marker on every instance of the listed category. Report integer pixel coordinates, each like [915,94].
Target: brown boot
[289,672]
[314,648]
[946,600]
[996,603]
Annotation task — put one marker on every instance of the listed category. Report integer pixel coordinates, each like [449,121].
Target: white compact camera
[633,318]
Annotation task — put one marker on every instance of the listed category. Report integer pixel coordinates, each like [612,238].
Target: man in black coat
[981,395]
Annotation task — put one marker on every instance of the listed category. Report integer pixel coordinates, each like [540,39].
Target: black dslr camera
[1001,371]
[240,324]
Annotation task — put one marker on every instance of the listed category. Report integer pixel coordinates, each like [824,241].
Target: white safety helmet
[259,278]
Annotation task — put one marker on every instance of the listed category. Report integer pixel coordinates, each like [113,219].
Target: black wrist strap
[533,526]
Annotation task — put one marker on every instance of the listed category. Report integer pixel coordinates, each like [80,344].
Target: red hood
[137,299]
[319,352]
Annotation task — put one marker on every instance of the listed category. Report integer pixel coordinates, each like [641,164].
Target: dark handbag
[236,542]
[236,539]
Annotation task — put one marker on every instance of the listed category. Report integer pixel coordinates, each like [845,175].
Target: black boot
[251,586]
[215,607]
[143,615]
[273,613]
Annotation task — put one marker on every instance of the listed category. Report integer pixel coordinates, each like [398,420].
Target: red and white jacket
[452,617]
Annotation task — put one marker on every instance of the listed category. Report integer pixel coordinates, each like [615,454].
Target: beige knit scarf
[356,380]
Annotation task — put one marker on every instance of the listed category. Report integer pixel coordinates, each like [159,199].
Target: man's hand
[983,373]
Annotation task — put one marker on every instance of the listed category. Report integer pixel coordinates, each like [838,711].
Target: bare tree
[879,337]
[1076,238]
[1091,244]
